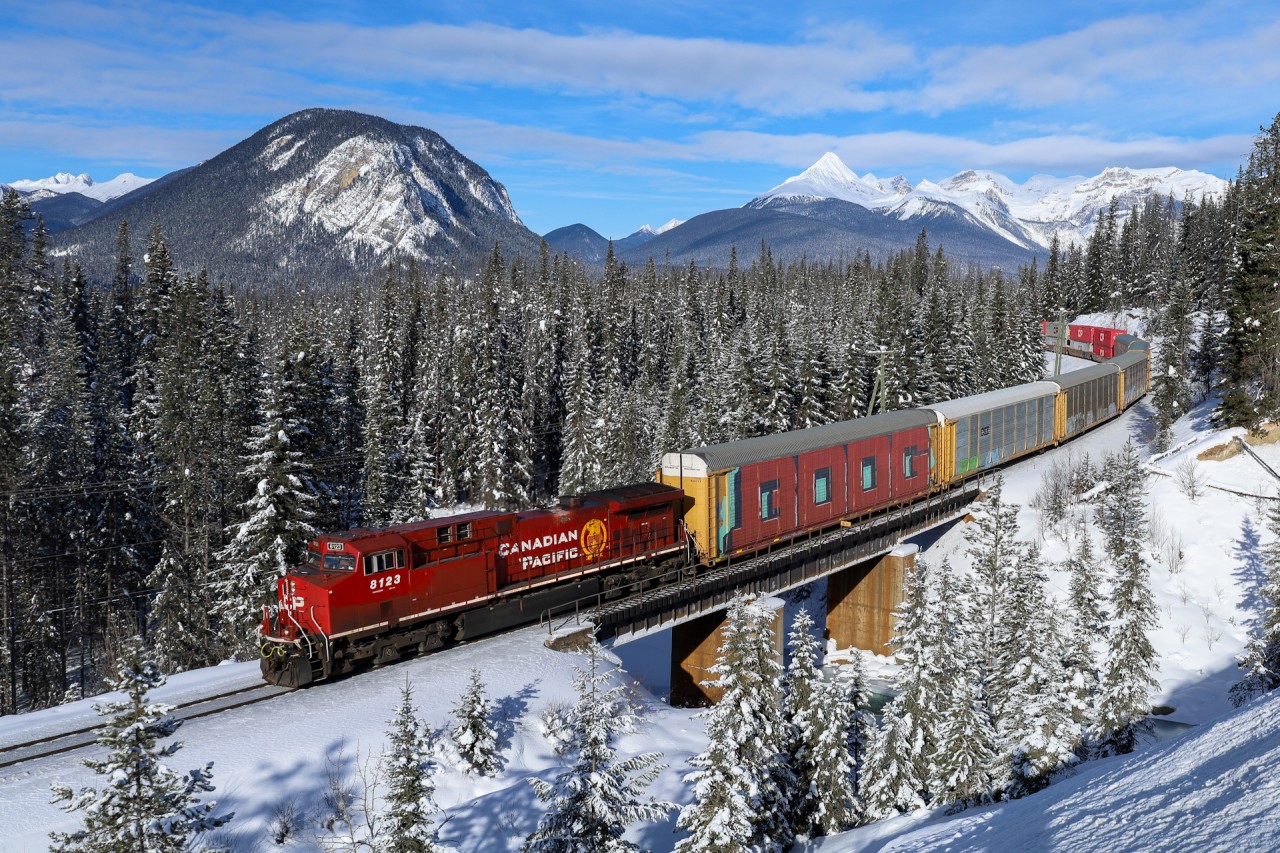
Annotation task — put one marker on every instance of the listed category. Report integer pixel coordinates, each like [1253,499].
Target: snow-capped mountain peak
[1028,214]
[831,178]
[668,225]
[65,182]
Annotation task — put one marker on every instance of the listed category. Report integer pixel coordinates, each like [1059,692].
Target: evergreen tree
[501,468]
[740,781]
[822,719]
[591,804]
[1129,670]
[1037,732]
[180,617]
[897,767]
[1086,624]
[996,555]
[145,806]
[472,733]
[964,766]
[411,787]
[1251,364]
[276,526]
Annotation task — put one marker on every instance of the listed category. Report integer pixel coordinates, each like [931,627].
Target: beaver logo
[593,538]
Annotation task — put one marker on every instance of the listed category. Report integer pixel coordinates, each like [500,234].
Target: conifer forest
[169,439]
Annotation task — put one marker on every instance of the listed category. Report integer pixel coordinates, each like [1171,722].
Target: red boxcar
[743,495]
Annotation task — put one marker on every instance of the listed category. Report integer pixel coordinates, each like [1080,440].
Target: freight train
[372,596]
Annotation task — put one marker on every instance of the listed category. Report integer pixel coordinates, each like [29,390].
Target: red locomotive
[371,596]
[1093,342]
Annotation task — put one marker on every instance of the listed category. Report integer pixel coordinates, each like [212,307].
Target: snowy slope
[64,182]
[1214,789]
[1028,214]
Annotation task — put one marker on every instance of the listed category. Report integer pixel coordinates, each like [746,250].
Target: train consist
[372,596]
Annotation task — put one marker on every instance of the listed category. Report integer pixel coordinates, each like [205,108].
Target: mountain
[64,182]
[589,246]
[59,211]
[978,217]
[319,196]
[822,228]
[579,241]
[1027,215]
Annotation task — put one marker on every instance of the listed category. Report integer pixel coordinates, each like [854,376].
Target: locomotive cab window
[444,535]
[464,530]
[384,562]
[868,473]
[339,562]
[769,500]
[313,558]
[822,486]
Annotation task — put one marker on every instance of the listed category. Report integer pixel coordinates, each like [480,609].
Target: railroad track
[63,742]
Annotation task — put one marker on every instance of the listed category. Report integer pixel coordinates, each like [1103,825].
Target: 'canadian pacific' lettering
[538,543]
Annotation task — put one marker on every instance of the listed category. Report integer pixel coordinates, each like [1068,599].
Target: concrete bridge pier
[861,600]
[695,648]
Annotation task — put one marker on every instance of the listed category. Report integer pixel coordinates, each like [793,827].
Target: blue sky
[622,114]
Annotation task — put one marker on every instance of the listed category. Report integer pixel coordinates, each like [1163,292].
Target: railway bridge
[863,560]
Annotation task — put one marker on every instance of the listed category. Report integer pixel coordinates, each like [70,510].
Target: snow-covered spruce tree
[822,718]
[145,806]
[179,620]
[277,526]
[1085,623]
[1128,675]
[382,398]
[897,768]
[408,820]
[581,451]
[740,781]
[1085,587]
[472,733]
[856,696]
[818,740]
[591,804]
[962,768]
[996,555]
[1250,368]
[501,469]
[1036,732]
[1261,659]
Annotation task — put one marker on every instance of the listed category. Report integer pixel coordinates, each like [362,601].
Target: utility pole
[1062,341]
[877,390]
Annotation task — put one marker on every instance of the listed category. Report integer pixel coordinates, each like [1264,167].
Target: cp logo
[593,538]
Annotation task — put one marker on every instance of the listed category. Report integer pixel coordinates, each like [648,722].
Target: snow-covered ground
[1213,788]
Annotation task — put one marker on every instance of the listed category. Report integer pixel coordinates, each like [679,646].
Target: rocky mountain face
[319,196]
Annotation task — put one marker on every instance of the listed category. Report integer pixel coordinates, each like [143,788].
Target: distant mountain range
[65,200]
[589,246]
[324,195]
[64,182]
[318,196]
[981,217]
